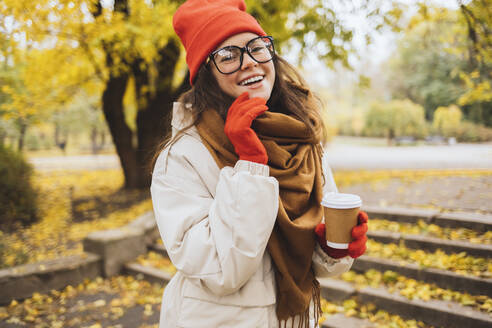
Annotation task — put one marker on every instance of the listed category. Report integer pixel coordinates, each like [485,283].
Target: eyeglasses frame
[243,50]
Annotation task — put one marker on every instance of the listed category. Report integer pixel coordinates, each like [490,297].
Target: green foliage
[395,118]
[423,71]
[18,199]
[444,58]
[38,142]
[476,17]
[319,26]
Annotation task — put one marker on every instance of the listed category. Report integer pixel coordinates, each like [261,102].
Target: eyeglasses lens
[228,59]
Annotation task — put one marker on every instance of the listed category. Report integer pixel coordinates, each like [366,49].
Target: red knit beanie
[203,24]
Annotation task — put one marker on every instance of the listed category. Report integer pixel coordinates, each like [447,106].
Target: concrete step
[433,312]
[442,278]
[432,244]
[148,273]
[335,290]
[473,221]
[339,320]
[158,248]
[23,281]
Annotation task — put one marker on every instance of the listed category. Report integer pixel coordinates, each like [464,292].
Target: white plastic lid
[341,201]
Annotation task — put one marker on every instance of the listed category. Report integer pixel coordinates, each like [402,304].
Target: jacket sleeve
[324,265]
[219,241]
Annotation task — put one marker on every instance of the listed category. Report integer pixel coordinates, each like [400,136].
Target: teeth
[251,80]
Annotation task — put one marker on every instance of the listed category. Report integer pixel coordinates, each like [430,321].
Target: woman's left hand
[358,245]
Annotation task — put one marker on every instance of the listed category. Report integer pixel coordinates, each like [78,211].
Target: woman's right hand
[358,245]
[238,128]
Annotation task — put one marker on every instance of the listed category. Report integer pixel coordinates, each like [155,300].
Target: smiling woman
[237,72]
[236,190]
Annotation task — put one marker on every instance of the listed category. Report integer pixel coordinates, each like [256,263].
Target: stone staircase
[104,257]
[433,312]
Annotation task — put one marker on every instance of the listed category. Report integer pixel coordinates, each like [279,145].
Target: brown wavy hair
[290,95]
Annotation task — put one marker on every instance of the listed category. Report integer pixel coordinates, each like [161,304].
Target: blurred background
[92,77]
[86,91]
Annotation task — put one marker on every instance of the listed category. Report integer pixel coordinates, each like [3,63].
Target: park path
[346,153]
[79,162]
[445,193]
[341,154]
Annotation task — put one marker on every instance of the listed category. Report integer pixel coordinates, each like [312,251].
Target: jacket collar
[182,118]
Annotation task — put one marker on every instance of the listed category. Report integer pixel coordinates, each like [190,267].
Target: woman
[237,190]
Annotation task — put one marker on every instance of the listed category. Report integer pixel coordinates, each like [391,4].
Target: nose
[248,61]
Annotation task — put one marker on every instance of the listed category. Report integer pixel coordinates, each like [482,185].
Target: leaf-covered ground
[381,319]
[414,289]
[76,202]
[441,190]
[117,302]
[124,301]
[72,204]
[460,263]
[431,230]
[408,287]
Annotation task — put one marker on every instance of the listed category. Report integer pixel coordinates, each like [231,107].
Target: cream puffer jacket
[215,224]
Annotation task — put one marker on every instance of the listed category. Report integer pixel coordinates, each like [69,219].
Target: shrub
[350,125]
[447,121]
[18,199]
[470,132]
[394,119]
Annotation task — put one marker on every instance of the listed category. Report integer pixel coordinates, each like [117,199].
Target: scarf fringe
[304,317]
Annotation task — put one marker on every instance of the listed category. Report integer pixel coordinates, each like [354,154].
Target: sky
[384,43]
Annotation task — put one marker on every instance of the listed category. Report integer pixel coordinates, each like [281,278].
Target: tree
[87,45]
[444,58]
[15,104]
[478,79]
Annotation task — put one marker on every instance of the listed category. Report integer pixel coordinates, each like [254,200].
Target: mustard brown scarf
[294,157]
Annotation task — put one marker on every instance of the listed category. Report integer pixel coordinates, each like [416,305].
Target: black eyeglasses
[230,59]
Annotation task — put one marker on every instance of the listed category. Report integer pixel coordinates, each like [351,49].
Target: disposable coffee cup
[340,211]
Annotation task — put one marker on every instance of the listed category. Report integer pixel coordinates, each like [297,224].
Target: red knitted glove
[356,248]
[238,128]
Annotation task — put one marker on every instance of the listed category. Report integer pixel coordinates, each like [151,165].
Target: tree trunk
[22,134]
[391,137]
[154,111]
[3,136]
[112,103]
[154,108]
[94,140]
